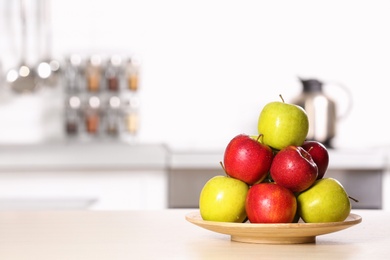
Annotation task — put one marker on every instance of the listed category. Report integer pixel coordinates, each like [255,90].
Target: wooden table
[165,234]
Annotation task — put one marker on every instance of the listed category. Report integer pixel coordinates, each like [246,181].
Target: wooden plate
[286,233]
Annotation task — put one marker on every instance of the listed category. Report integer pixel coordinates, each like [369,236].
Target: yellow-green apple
[283,124]
[223,199]
[325,201]
[247,159]
[320,156]
[293,168]
[270,203]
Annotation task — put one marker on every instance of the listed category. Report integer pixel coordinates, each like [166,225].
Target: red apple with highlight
[294,168]
[247,159]
[270,203]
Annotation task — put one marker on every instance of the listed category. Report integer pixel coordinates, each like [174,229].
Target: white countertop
[338,159]
[83,156]
[165,234]
[70,156]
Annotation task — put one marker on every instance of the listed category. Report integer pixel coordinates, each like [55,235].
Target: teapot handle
[347,92]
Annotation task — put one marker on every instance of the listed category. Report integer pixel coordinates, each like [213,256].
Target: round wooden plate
[286,233]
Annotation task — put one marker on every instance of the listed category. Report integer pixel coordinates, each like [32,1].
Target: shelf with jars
[101,97]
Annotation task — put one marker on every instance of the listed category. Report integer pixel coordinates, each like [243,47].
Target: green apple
[283,124]
[325,201]
[223,199]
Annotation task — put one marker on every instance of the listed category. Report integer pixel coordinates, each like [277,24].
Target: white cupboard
[98,177]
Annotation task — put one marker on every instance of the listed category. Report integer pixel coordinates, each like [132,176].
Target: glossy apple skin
[293,168]
[247,159]
[223,199]
[320,156]
[283,124]
[325,201]
[270,203]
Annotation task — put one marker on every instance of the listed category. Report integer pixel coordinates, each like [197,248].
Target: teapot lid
[311,85]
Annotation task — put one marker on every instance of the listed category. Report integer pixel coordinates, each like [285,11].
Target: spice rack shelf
[101,97]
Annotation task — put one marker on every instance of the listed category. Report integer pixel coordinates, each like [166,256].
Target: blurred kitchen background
[178,80]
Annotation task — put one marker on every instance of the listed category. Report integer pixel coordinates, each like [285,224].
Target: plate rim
[356,219]
[273,233]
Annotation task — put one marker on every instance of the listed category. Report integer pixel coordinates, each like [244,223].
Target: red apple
[293,168]
[320,156]
[270,203]
[247,159]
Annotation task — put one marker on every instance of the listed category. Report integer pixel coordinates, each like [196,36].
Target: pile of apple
[276,176]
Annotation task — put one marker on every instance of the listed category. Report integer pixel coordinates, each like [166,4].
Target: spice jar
[131,116]
[94,73]
[132,75]
[112,117]
[73,73]
[72,115]
[92,117]
[113,71]
[132,122]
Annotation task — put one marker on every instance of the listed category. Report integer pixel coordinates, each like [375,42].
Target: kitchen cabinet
[76,176]
[362,173]
[99,190]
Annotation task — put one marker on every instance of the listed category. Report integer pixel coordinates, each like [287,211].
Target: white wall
[208,66]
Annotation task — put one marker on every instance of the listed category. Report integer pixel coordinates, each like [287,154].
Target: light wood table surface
[165,234]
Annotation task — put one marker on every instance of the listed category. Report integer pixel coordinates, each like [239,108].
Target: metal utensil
[23,78]
[48,68]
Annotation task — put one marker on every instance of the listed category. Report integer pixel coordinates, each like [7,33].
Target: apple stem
[353,199]
[281,97]
[258,137]
[222,167]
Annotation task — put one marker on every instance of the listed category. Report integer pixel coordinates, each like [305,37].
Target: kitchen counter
[87,156]
[165,234]
[339,159]
[121,155]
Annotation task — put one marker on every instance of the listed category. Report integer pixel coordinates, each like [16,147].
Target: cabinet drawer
[105,190]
